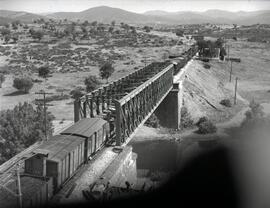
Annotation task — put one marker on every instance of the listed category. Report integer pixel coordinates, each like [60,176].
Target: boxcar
[95,131]
[63,154]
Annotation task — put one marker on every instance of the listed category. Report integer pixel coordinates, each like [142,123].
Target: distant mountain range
[107,14]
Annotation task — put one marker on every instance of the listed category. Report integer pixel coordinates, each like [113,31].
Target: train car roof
[59,146]
[85,127]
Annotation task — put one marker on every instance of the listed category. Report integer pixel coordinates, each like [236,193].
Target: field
[71,60]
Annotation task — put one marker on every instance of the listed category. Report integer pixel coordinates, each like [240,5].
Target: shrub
[147,29]
[186,120]
[5,31]
[23,84]
[254,114]
[226,102]
[36,80]
[206,66]
[205,126]
[179,32]
[44,72]
[77,93]
[91,83]
[36,34]
[106,71]
[152,121]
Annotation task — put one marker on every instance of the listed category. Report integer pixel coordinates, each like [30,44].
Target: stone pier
[169,111]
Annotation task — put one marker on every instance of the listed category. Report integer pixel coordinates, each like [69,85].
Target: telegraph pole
[228,52]
[43,101]
[144,61]
[235,89]
[231,72]
[19,186]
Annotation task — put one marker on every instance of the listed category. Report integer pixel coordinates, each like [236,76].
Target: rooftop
[85,127]
[59,146]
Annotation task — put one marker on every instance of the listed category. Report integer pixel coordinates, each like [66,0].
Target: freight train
[56,161]
[63,154]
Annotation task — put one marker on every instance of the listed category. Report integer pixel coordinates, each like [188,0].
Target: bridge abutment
[169,111]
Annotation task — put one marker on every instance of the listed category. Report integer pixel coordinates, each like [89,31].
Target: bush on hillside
[206,66]
[226,102]
[253,115]
[205,126]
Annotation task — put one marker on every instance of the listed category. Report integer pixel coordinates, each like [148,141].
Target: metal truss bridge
[129,101]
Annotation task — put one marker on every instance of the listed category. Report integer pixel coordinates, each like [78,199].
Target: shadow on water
[156,155]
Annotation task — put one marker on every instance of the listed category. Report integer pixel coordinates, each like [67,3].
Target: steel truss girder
[136,107]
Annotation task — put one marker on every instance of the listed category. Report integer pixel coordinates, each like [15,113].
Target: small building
[36,192]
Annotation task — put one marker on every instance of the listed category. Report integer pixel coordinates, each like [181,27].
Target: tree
[7,38]
[23,84]
[15,38]
[91,83]
[5,31]
[106,71]
[86,23]
[219,43]
[77,93]
[2,79]
[14,26]
[36,34]
[110,29]
[44,71]
[179,33]
[147,29]
[94,23]
[21,127]
[113,23]
[133,30]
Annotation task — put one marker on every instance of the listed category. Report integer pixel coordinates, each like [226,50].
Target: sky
[138,6]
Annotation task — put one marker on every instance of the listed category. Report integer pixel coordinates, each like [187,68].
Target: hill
[4,20]
[107,14]
[25,17]
[216,16]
